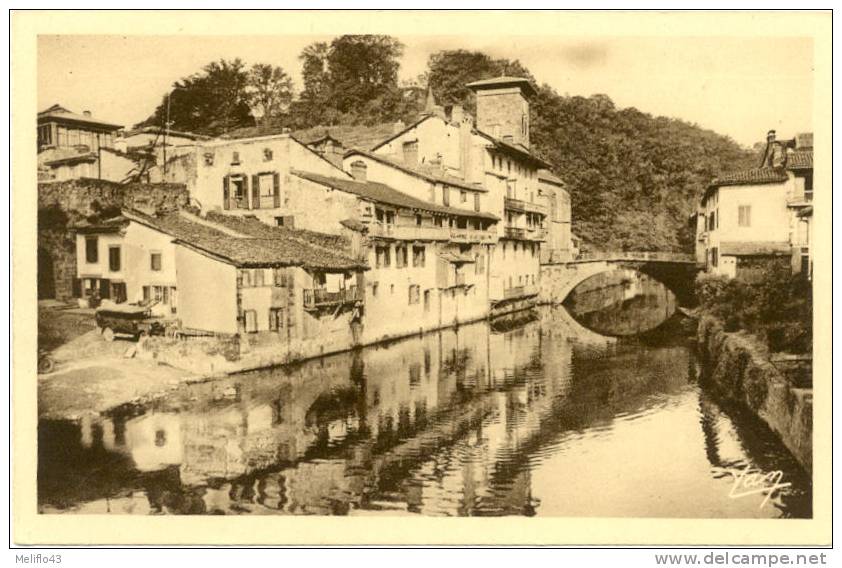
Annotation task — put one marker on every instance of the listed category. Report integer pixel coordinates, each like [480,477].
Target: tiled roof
[159,130]
[754,176]
[382,193]
[66,155]
[351,136]
[267,250]
[112,225]
[758,248]
[423,171]
[58,112]
[547,175]
[800,160]
[518,151]
[252,227]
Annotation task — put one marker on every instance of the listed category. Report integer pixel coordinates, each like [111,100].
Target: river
[576,410]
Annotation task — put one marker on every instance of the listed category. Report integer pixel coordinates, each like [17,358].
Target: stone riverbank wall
[739,368]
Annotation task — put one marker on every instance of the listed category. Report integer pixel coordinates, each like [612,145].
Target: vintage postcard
[414,268]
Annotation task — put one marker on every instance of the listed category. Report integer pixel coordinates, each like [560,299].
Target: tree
[352,79]
[209,102]
[269,91]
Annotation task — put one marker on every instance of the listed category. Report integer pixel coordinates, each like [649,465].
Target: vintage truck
[130,319]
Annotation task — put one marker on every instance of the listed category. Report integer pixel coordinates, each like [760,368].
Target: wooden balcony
[522,206]
[408,232]
[519,291]
[315,298]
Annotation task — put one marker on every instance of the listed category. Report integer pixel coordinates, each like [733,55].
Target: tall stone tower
[503,108]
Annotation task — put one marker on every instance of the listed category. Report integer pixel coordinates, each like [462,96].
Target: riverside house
[290,293]
[751,217]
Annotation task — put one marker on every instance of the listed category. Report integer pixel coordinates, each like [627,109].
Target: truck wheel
[46,364]
[108,334]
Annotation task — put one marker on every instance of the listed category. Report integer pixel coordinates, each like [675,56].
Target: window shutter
[244,204]
[226,193]
[276,190]
[255,192]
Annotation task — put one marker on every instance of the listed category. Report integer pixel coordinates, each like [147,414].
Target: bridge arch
[676,272]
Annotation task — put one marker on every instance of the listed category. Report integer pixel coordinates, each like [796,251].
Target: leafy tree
[269,91]
[209,102]
[352,79]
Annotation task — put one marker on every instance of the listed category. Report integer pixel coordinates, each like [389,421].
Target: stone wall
[738,368]
[63,204]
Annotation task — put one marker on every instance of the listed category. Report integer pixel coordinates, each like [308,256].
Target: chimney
[359,171]
[503,107]
[86,112]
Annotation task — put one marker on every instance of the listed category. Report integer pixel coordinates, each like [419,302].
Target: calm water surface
[535,414]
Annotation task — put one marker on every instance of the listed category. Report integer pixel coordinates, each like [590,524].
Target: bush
[774,305]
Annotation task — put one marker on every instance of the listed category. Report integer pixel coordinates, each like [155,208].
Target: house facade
[751,217]
[447,158]
[559,245]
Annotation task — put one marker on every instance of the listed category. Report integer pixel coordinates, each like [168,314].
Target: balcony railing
[408,232]
[536,233]
[319,297]
[519,291]
[515,233]
[800,199]
[471,236]
[636,255]
[522,206]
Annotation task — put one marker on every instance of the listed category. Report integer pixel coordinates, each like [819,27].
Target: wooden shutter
[276,189]
[245,203]
[255,191]
[226,193]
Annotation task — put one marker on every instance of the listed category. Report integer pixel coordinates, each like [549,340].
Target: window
[267,154]
[744,212]
[445,195]
[418,220]
[479,267]
[401,256]
[280,277]
[463,196]
[439,222]
[235,158]
[808,187]
[250,320]
[374,286]
[244,278]
[383,256]
[155,261]
[267,187]
[91,250]
[426,309]
[476,202]
[114,258]
[285,221]
[414,293]
[410,152]
[276,319]
[258,277]
[714,255]
[419,256]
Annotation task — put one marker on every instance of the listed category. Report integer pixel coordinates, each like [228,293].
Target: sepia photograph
[412,274]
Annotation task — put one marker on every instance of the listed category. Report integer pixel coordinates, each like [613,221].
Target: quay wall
[738,367]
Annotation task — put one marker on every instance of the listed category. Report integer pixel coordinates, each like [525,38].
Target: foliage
[353,79]
[269,91]
[220,97]
[777,306]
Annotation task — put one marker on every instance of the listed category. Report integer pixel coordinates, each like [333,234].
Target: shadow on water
[529,415]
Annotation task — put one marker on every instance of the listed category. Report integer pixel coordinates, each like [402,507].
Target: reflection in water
[621,302]
[540,418]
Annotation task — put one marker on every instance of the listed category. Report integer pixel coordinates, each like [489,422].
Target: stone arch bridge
[676,271]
